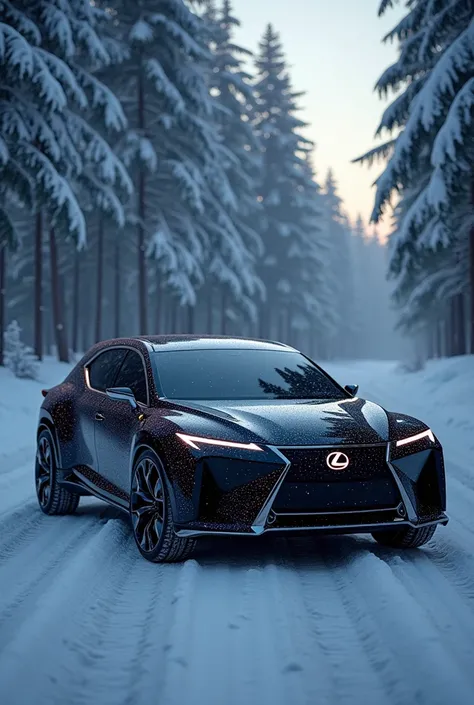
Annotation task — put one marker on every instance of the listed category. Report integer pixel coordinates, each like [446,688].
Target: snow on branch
[459,118]
[104,98]
[20,22]
[62,200]
[456,60]
[15,50]
[182,38]
[61,71]
[156,73]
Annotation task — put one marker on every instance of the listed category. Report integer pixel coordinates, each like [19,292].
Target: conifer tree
[287,191]
[430,157]
[172,147]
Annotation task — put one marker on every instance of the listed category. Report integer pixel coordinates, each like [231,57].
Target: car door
[99,373]
[117,422]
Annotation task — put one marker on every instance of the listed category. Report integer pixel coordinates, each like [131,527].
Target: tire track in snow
[33,576]
[57,616]
[346,653]
[452,618]
[20,533]
[430,673]
[118,655]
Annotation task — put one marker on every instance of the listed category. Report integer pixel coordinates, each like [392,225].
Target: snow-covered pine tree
[46,55]
[52,104]
[19,358]
[339,269]
[431,157]
[234,249]
[3,278]
[311,304]
[172,146]
[287,191]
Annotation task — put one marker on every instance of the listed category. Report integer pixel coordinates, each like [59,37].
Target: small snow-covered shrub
[415,364]
[19,358]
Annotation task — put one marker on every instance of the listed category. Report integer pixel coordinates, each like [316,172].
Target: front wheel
[150,510]
[52,498]
[405,536]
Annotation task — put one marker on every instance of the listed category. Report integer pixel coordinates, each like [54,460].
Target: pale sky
[335,54]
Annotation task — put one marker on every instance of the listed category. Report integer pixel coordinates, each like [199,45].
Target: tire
[405,536]
[52,497]
[151,515]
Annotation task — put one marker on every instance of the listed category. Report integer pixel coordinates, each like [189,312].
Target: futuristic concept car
[198,435]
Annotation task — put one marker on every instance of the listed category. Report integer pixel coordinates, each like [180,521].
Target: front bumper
[293,490]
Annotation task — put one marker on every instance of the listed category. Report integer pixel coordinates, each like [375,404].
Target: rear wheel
[405,536]
[150,510]
[52,498]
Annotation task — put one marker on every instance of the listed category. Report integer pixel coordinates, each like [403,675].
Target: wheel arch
[46,424]
[153,445]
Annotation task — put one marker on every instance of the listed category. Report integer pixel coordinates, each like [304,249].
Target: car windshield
[241,374]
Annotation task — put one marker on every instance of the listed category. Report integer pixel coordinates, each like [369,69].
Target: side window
[132,375]
[103,370]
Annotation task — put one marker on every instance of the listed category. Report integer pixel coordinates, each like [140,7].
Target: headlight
[193,441]
[418,437]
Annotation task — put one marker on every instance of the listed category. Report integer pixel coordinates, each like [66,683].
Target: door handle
[99,417]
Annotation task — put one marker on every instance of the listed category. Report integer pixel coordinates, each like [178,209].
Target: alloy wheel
[44,467]
[147,504]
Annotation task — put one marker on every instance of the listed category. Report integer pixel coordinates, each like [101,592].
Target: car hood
[295,422]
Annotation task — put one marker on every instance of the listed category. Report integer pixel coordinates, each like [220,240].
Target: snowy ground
[84,619]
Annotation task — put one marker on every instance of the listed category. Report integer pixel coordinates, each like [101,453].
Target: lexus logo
[337,461]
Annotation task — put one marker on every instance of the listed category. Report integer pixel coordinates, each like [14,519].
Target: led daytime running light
[417,437]
[194,440]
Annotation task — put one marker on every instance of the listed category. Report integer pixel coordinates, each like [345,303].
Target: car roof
[162,343]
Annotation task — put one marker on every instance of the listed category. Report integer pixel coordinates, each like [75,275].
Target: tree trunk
[262,320]
[429,342]
[117,280]
[159,313]
[173,315]
[142,283]
[57,301]
[461,324]
[99,280]
[289,330]
[448,335]
[224,313]
[158,301]
[75,302]
[209,310]
[471,278]
[190,319]
[439,337]
[38,321]
[3,284]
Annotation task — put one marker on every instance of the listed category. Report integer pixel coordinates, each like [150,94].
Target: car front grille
[310,485]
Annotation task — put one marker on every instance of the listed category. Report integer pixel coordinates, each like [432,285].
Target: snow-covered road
[84,619]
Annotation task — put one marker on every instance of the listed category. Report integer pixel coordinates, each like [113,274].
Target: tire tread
[62,501]
[406,536]
[174,549]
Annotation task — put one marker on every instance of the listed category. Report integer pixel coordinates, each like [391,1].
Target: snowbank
[20,400]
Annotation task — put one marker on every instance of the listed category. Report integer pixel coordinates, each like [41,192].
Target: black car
[198,435]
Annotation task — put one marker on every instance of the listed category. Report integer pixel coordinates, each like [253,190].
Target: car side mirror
[352,389]
[122,394]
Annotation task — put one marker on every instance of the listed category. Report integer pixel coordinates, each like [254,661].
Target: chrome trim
[340,511]
[117,347]
[258,524]
[200,532]
[364,528]
[409,508]
[334,445]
